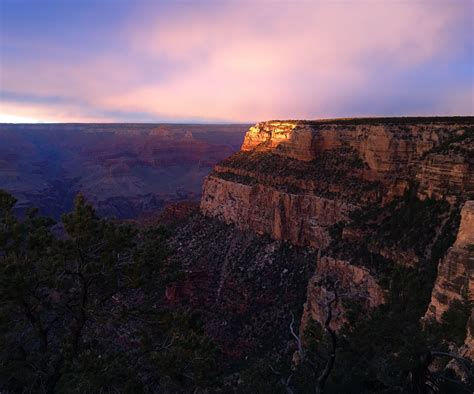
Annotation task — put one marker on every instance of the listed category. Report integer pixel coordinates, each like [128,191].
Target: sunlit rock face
[344,283]
[300,218]
[286,138]
[455,279]
[384,147]
[295,179]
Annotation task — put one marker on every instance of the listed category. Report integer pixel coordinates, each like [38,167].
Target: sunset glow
[233,61]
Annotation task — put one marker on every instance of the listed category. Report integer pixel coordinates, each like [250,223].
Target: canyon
[128,171]
[338,249]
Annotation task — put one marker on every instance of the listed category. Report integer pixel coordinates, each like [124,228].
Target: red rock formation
[352,285]
[385,147]
[325,169]
[455,279]
[439,173]
[299,218]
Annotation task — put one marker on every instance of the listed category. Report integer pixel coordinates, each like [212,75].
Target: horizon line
[381,117]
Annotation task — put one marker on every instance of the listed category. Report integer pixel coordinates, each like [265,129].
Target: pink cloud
[249,61]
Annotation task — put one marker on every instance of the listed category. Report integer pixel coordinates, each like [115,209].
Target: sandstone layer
[344,283]
[384,147]
[300,218]
[295,179]
[455,278]
[379,199]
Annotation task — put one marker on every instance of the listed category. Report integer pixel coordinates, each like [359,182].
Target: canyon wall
[455,278]
[379,199]
[384,147]
[299,218]
[295,179]
[338,284]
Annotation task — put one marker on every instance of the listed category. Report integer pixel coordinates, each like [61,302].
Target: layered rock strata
[379,198]
[300,218]
[337,284]
[455,278]
[295,179]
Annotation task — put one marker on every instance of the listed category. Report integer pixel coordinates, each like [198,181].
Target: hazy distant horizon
[241,123]
[131,123]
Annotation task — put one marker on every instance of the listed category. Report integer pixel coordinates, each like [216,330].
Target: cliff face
[300,218]
[340,222]
[385,148]
[455,278]
[294,179]
[440,173]
[344,283]
[337,186]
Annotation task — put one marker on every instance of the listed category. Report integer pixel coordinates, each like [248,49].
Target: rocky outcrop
[302,219]
[349,285]
[455,278]
[290,139]
[295,179]
[385,146]
[468,349]
[440,173]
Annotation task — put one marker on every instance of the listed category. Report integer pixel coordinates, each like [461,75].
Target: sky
[233,61]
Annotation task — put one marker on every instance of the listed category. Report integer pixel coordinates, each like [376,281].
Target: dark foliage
[85,313]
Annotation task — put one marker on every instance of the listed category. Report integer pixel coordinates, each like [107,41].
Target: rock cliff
[346,284]
[340,222]
[355,189]
[455,278]
[264,209]
[294,179]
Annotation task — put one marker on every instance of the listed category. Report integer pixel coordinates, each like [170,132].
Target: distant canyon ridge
[126,170]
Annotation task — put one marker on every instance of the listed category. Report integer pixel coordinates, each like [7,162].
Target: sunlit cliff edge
[342,186]
[293,179]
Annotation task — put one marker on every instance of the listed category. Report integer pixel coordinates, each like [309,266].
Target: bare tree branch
[464,362]
[297,338]
[321,382]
